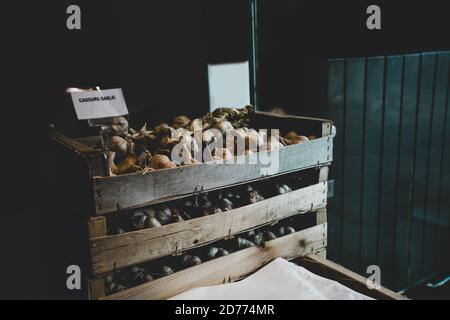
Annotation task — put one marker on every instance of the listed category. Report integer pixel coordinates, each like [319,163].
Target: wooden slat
[422,136]
[304,125]
[135,247]
[321,216]
[96,227]
[96,289]
[434,169]
[132,190]
[96,160]
[334,271]
[323,174]
[322,253]
[229,268]
[353,160]
[390,142]
[371,161]
[335,111]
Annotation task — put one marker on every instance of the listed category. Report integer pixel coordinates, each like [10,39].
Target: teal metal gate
[392,164]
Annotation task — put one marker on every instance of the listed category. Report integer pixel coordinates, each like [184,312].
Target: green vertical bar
[443,259]
[405,169]
[336,112]
[354,118]
[421,164]
[434,168]
[390,145]
[371,164]
[254,45]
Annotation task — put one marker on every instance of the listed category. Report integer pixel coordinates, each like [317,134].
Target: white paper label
[229,85]
[99,104]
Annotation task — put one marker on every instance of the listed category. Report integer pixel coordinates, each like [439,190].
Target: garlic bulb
[112,166]
[120,126]
[224,126]
[268,236]
[294,140]
[166,270]
[114,287]
[153,223]
[210,135]
[129,165]
[283,231]
[163,129]
[253,196]
[119,145]
[258,239]
[222,253]
[145,159]
[162,162]
[189,261]
[282,189]
[195,125]
[109,278]
[289,230]
[226,204]
[291,135]
[181,122]
[244,243]
[138,220]
[212,252]
[164,215]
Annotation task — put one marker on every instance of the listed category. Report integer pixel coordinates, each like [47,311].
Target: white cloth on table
[279,280]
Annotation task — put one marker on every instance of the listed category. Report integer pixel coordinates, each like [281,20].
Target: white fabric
[279,280]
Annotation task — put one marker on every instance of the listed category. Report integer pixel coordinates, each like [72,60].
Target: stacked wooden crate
[111,195]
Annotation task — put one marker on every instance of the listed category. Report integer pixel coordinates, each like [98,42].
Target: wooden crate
[224,269]
[100,254]
[122,250]
[110,194]
[243,263]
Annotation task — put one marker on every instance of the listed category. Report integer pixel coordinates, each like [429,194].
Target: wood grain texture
[95,159]
[131,248]
[96,227]
[96,289]
[127,191]
[229,268]
[334,271]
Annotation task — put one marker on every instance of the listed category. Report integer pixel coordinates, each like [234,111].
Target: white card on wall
[98,104]
[229,85]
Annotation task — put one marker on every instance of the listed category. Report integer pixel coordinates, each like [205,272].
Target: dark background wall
[390,168]
[157,52]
